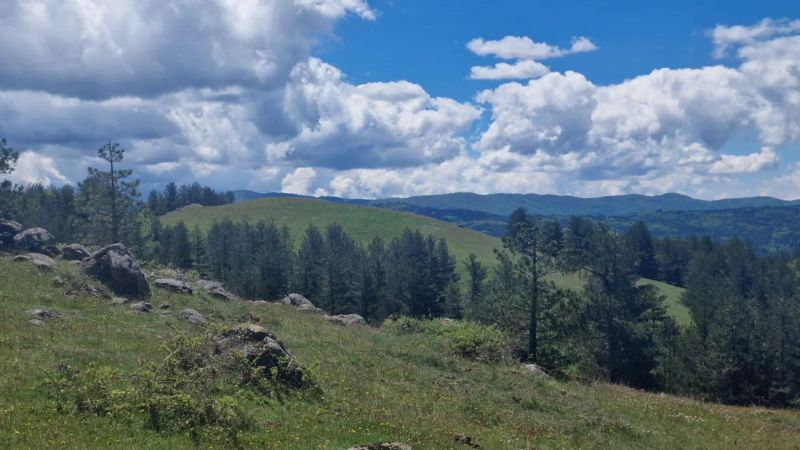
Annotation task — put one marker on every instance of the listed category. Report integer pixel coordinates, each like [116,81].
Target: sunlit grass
[377,386]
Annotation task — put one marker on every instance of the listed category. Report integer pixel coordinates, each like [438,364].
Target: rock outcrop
[42,262]
[33,239]
[8,229]
[301,303]
[266,352]
[347,319]
[171,284]
[215,289]
[192,316]
[115,267]
[74,252]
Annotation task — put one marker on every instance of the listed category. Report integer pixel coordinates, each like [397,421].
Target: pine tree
[8,157]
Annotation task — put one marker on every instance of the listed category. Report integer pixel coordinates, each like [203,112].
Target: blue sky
[372,98]
[425,41]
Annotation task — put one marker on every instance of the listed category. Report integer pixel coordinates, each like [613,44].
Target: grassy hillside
[364,223]
[361,222]
[376,386]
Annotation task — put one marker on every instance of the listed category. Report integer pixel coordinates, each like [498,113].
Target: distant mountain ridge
[551,205]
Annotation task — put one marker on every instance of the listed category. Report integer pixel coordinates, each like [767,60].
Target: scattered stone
[382,446]
[535,370]
[37,322]
[58,281]
[141,307]
[259,302]
[74,252]
[264,351]
[347,319]
[42,262]
[171,284]
[215,289]
[164,306]
[8,229]
[115,266]
[192,316]
[33,239]
[301,303]
[118,301]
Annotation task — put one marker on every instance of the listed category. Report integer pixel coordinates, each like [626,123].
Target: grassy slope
[364,223]
[378,386]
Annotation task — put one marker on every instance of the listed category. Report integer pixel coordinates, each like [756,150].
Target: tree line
[105,207]
[411,274]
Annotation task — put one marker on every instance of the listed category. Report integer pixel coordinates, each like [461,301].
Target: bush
[194,389]
[466,339]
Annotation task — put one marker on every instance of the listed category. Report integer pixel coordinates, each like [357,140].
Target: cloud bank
[231,94]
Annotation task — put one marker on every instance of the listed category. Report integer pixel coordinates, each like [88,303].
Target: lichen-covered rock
[347,319]
[171,284]
[42,262]
[215,289]
[192,316]
[115,267]
[33,239]
[74,252]
[301,303]
[266,352]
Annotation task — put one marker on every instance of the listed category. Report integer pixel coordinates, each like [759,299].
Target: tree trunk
[114,218]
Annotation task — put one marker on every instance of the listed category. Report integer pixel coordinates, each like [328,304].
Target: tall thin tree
[113,153]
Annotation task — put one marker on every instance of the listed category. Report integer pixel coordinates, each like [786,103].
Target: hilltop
[375,385]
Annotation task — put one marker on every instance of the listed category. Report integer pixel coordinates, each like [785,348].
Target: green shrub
[466,339]
[477,342]
[195,390]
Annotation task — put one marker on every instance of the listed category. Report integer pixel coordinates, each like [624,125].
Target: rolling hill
[364,223]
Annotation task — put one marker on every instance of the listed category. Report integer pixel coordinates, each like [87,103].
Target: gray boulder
[347,319]
[173,285]
[33,239]
[192,316]
[301,303]
[265,352]
[115,267]
[74,252]
[42,262]
[8,229]
[215,289]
